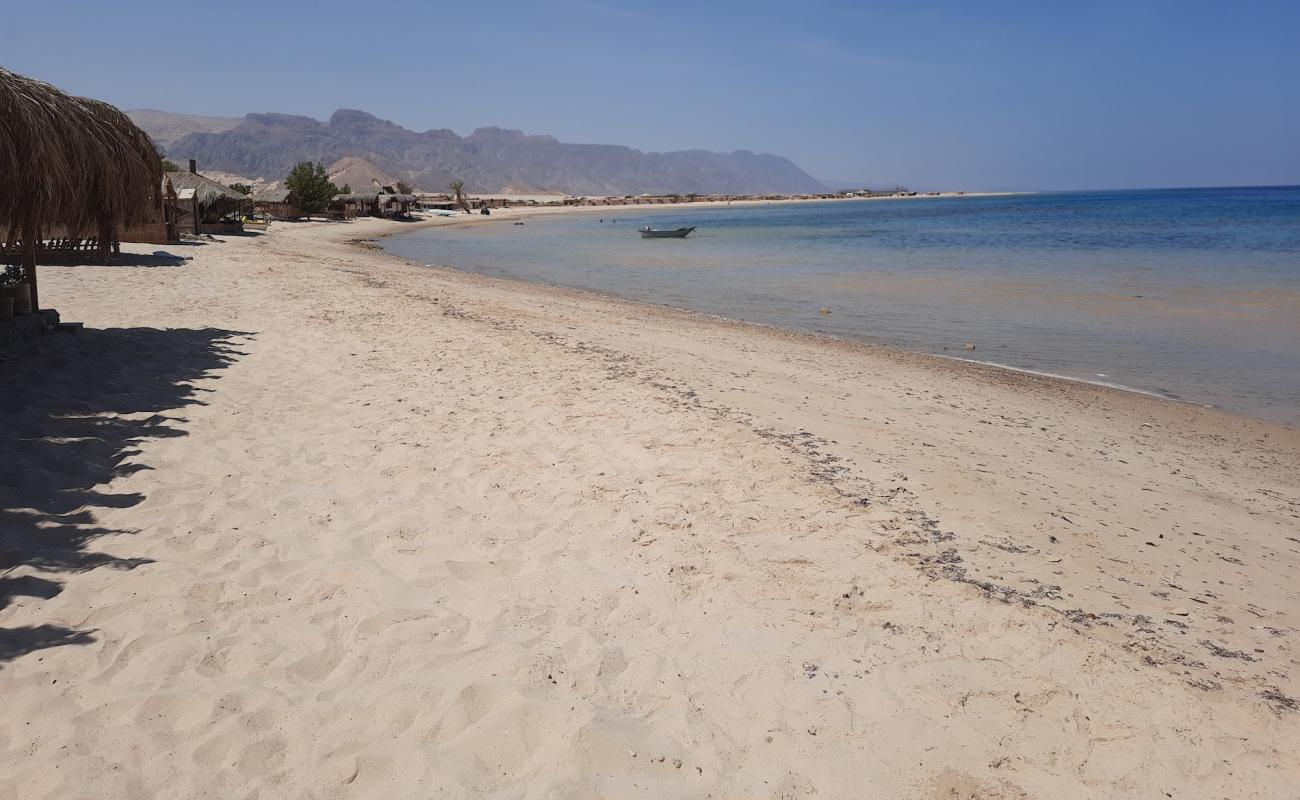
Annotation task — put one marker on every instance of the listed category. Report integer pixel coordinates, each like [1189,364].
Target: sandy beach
[291,518]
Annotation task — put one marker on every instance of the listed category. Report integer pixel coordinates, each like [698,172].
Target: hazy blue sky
[962,95]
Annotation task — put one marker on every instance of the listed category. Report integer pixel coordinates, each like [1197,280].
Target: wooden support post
[105,239]
[30,242]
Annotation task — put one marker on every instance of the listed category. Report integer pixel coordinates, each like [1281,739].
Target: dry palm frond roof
[207,190]
[371,197]
[272,196]
[70,163]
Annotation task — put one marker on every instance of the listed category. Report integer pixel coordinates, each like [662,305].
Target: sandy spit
[294,519]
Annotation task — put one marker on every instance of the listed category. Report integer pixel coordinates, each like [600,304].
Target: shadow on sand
[158,258]
[73,411]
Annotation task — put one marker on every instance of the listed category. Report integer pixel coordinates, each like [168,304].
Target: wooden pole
[29,264]
[105,239]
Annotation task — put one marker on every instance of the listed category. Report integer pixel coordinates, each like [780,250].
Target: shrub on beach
[311,185]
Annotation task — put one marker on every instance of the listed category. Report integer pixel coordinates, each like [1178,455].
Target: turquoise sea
[1193,294]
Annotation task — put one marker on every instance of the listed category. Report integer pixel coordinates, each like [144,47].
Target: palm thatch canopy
[69,166]
[374,197]
[209,193]
[272,196]
[70,163]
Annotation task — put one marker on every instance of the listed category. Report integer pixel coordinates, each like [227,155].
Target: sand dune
[293,519]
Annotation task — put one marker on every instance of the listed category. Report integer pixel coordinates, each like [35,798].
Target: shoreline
[1106,385]
[547,210]
[408,227]
[557,542]
[743,201]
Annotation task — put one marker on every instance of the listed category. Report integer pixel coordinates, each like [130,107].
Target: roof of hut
[272,196]
[370,197]
[207,190]
[70,163]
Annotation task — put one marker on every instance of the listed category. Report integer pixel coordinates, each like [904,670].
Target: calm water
[1192,294]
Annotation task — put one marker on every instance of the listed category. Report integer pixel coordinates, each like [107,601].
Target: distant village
[195,203]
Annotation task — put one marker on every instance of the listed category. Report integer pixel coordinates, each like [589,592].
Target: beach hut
[393,202]
[205,206]
[277,204]
[371,204]
[439,202]
[76,171]
[344,206]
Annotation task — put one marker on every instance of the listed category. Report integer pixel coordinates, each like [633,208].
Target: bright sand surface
[295,519]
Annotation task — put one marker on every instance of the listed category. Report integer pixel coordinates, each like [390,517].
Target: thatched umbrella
[69,163]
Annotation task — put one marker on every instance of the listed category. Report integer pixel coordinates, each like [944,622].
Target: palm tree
[457,188]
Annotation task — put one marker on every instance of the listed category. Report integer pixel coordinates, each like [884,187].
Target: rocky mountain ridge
[488,160]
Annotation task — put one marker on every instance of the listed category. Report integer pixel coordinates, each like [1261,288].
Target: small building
[205,206]
[343,206]
[371,204]
[277,204]
[437,202]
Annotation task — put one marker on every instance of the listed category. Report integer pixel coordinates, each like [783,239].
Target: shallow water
[1192,294]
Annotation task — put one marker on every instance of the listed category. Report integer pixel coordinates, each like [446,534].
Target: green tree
[311,185]
[242,188]
[346,189]
[170,166]
[405,188]
[457,188]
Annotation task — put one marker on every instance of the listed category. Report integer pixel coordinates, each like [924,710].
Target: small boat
[256,222]
[677,233]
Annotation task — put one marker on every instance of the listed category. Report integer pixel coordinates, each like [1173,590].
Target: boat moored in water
[677,233]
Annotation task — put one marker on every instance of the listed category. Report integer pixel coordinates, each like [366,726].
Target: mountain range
[488,160]
[165,127]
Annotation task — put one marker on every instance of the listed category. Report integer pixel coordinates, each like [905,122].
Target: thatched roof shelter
[71,165]
[278,204]
[214,198]
[357,197]
[379,203]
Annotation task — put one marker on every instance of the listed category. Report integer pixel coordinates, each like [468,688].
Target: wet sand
[1211,325]
[297,519]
